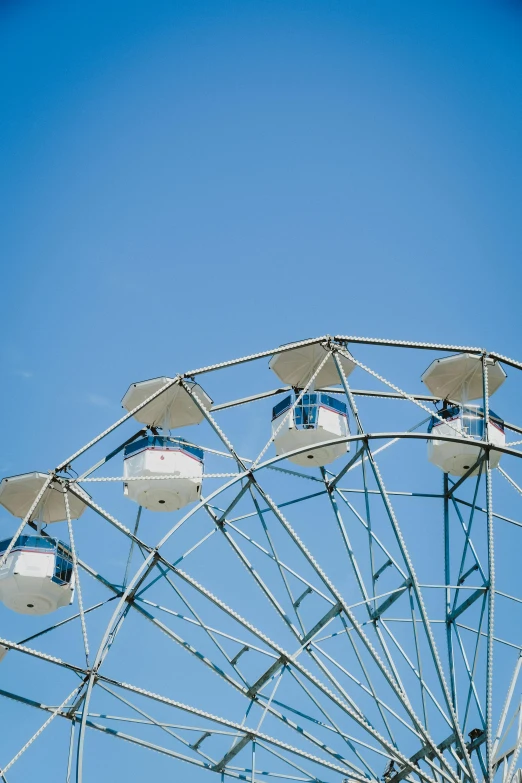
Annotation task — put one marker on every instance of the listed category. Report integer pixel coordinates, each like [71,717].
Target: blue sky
[184,182]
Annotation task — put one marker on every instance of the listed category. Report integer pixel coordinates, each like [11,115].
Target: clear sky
[184,182]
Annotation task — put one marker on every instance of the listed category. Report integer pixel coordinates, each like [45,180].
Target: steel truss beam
[248,476]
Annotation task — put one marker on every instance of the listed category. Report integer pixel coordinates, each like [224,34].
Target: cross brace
[198,742]
[463,578]
[467,603]
[376,613]
[282,660]
[382,568]
[236,657]
[232,752]
[322,622]
[426,753]
[266,676]
[302,596]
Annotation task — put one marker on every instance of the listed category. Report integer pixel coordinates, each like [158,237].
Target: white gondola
[157,456]
[3,652]
[37,577]
[459,378]
[468,422]
[317,418]
[18,493]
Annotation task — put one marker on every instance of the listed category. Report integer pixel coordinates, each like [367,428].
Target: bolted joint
[327,344]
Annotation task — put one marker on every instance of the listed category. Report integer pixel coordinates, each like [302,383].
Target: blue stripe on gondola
[310,400]
[470,414]
[282,406]
[163,442]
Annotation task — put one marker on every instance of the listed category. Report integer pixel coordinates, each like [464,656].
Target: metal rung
[281,661]
[467,603]
[381,569]
[236,658]
[219,767]
[303,595]
[426,753]
[335,610]
[391,599]
[468,572]
[198,742]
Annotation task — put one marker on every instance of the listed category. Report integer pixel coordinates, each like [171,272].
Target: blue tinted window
[63,570]
[282,406]
[473,423]
[31,542]
[334,403]
[472,419]
[305,412]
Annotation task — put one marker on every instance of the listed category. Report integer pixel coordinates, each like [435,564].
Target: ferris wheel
[318,580]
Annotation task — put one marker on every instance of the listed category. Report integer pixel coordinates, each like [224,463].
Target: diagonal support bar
[330,614]
[376,613]
[232,752]
[466,604]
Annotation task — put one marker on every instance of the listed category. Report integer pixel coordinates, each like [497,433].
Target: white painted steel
[26,584]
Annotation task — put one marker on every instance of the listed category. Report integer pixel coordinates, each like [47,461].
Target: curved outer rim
[267,463]
[346,340]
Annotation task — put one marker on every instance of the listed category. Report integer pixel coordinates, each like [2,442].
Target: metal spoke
[382,680]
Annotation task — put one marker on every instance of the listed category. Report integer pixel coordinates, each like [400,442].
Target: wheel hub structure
[348,620]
